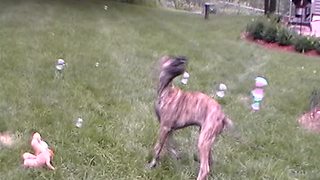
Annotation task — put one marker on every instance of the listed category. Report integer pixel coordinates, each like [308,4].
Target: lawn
[115,99]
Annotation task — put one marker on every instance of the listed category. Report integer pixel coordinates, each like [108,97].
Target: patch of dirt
[276,46]
[6,139]
[311,120]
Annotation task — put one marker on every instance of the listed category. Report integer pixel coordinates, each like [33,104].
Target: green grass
[116,99]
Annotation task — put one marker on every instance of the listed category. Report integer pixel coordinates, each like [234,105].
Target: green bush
[269,33]
[255,29]
[275,18]
[270,30]
[303,44]
[284,37]
[317,45]
[263,28]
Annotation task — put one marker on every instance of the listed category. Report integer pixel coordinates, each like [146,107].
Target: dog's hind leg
[163,134]
[210,158]
[206,138]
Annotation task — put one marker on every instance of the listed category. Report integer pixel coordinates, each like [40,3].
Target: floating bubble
[79,122]
[185,78]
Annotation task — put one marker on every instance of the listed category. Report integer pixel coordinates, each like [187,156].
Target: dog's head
[173,66]
[36,136]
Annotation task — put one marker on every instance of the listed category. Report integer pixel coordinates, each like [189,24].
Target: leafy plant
[275,18]
[256,28]
[303,44]
[270,32]
[284,37]
[317,45]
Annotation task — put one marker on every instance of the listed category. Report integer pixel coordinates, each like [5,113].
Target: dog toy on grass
[42,154]
[258,92]
[60,65]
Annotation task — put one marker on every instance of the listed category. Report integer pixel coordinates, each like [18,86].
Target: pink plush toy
[42,154]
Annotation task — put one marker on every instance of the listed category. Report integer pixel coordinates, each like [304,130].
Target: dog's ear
[178,61]
[164,59]
[182,59]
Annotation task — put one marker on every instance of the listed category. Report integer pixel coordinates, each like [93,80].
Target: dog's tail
[232,130]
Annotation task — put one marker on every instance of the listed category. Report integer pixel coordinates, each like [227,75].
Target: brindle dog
[176,109]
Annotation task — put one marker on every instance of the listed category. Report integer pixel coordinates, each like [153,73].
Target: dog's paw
[151,165]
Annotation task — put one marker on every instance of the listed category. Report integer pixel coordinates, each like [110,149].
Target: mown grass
[116,99]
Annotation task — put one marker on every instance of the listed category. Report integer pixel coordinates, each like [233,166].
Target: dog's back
[189,108]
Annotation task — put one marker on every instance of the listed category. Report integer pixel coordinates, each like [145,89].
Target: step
[316,11]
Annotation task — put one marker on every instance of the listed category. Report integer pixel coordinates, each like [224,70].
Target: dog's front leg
[171,147]
[163,134]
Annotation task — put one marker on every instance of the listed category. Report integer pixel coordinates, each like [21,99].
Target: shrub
[269,33]
[303,44]
[284,37]
[275,18]
[255,29]
[317,45]
[263,28]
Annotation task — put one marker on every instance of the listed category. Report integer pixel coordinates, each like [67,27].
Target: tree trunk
[270,6]
[266,6]
[273,6]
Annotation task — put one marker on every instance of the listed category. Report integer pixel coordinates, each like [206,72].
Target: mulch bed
[277,47]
